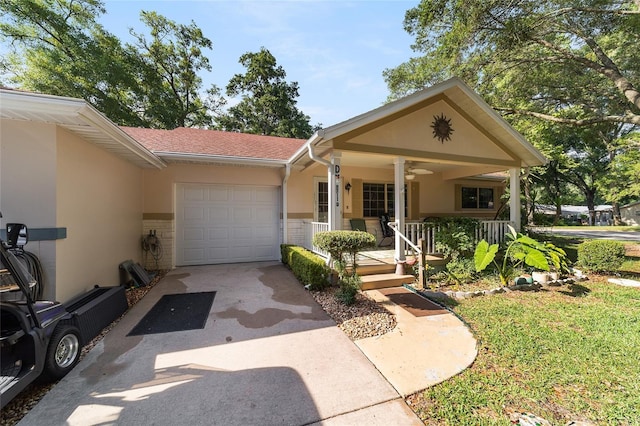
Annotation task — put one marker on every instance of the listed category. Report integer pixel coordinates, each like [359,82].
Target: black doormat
[176,312]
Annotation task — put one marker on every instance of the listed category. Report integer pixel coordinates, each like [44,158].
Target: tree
[268,104]
[621,183]
[563,61]
[58,48]
[169,76]
[565,73]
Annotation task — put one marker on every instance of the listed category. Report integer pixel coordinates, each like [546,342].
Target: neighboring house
[630,214]
[94,189]
[603,212]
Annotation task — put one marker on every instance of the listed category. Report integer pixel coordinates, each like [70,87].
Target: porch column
[514,198]
[335,209]
[399,206]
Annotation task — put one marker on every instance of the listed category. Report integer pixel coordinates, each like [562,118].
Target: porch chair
[387,232]
[361,225]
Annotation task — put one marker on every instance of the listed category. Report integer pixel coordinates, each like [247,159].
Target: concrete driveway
[267,355]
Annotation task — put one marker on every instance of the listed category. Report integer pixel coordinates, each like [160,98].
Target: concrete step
[373,282]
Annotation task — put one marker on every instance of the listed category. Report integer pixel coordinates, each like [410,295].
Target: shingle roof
[215,143]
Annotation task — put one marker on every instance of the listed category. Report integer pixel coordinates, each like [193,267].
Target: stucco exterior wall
[159,197]
[28,185]
[159,185]
[630,214]
[413,132]
[99,201]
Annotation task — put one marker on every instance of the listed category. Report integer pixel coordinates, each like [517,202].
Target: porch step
[376,281]
[381,268]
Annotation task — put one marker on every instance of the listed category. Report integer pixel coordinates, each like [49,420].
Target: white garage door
[226,223]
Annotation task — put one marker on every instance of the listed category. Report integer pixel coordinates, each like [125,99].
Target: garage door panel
[218,234]
[264,195]
[242,233]
[226,223]
[195,213]
[192,256]
[194,234]
[222,214]
[195,194]
[219,194]
[243,195]
[242,215]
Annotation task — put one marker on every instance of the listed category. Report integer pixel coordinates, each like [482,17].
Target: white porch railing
[315,228]
[493,231]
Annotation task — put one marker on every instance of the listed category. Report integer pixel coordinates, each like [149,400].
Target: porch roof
[453,93]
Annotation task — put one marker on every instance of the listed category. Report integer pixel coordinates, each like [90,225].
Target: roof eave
[24,106]
[221,159]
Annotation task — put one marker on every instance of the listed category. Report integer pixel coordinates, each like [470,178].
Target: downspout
[285,211]
[317,137]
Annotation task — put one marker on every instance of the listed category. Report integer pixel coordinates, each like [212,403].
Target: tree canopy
[268,102]
[567,61]
[60,49]
[565,73]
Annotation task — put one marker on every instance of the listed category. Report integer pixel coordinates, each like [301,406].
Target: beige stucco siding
[28,185]
[413,133]
[99,201]
[28,173]
[630,214]
[159,185]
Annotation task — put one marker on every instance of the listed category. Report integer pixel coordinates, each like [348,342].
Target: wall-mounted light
[347,187]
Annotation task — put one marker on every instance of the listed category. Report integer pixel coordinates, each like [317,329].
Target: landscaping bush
[455,235]
[309,268]
[601,255]
[340,244]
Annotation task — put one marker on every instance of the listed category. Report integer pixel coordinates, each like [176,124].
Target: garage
[226,223]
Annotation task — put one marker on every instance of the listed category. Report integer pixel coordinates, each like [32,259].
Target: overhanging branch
[628,118]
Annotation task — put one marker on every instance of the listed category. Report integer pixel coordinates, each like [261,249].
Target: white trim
[208,158]
[79,117]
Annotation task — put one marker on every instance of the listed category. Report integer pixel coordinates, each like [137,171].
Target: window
[378,198]
[477,198]
[322,201]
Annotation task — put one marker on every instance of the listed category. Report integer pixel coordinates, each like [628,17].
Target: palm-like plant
[520,249]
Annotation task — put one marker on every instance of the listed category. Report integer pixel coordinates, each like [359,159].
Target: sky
[335,50]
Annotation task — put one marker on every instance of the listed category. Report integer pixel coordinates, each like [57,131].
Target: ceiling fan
[411,171]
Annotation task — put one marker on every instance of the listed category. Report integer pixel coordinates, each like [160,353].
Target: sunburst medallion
[442,129]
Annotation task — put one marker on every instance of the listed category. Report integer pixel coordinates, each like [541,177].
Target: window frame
[388,200]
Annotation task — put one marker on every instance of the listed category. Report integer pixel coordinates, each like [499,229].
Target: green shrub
[285,253]
[340,244]
[601,255]
[309,268]
[462,269]
[454,235]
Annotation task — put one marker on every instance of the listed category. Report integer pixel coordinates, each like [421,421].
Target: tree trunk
[558,215]
[528,201]
[617,217]
[590,196]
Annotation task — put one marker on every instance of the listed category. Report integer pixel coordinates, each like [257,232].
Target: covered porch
[439,152]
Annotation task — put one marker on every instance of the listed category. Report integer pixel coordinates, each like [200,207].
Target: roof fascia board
[501,121]
[388,109]
[35,102]
[98,120]
[73,108]
[205,158]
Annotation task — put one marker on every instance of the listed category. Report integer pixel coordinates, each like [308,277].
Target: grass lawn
[569,353]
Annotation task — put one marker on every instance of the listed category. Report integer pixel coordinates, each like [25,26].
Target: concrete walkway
[267,355]
[424,349]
